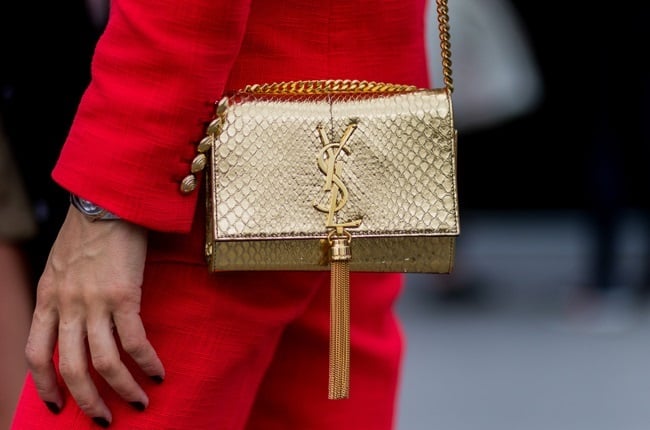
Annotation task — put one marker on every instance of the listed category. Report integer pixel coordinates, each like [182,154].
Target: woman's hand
[90,286]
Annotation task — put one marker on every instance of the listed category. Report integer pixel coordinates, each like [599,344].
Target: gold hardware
[445,44]
[215,126]
[315,87]
[330,165]
[339,240]
[340,249]
[205,144]
[222,106]
[339,362]
[188,184]
[199,163]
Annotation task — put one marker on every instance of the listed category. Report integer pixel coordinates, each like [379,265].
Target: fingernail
[53,407]
[101,421]
[137,405]
[157,379]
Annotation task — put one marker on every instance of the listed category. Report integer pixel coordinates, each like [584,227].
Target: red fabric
[241,350]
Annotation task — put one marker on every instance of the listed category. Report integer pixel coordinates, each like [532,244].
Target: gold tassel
[339,369]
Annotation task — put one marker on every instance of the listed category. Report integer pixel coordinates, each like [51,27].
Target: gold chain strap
[315,87]
[445,43]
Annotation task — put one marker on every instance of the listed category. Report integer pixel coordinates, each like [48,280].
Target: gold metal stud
[215,126]
[205,144]
[222,106]
[188,184]
[199,163]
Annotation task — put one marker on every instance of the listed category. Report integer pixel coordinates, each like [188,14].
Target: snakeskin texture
[396,175]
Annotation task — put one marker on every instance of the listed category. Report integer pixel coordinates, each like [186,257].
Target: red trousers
[248,351]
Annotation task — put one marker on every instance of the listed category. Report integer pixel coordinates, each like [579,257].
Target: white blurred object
[98,12]
[495,74]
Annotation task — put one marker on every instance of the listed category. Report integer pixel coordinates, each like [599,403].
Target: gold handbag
[334,175]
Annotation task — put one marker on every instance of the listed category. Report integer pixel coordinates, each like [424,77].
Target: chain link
[445,43]
[315,87]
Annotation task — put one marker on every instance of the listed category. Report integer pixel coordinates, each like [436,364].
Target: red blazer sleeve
[156,72]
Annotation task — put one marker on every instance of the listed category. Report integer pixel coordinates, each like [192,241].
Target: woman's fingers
[105,358]
[73,367]
[134,341]
[38,352]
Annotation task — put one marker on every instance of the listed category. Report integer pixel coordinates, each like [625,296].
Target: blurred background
[544,324]
[520,351]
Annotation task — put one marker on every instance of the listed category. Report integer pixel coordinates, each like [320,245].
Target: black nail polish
[101,421]
[137,405]
[157,379]
[53,407]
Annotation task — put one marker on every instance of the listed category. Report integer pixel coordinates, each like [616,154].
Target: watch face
[89,207]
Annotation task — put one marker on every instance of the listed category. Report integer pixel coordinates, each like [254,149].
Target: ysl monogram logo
[330,165]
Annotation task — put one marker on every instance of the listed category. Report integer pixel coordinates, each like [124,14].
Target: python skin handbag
[335,175]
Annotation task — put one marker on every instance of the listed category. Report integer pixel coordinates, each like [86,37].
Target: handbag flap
[287,166]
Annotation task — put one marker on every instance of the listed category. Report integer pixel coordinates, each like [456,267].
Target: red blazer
[161,64]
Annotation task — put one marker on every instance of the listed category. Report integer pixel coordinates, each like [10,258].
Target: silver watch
[91,210]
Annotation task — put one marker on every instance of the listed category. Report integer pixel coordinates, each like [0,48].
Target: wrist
[92,211]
